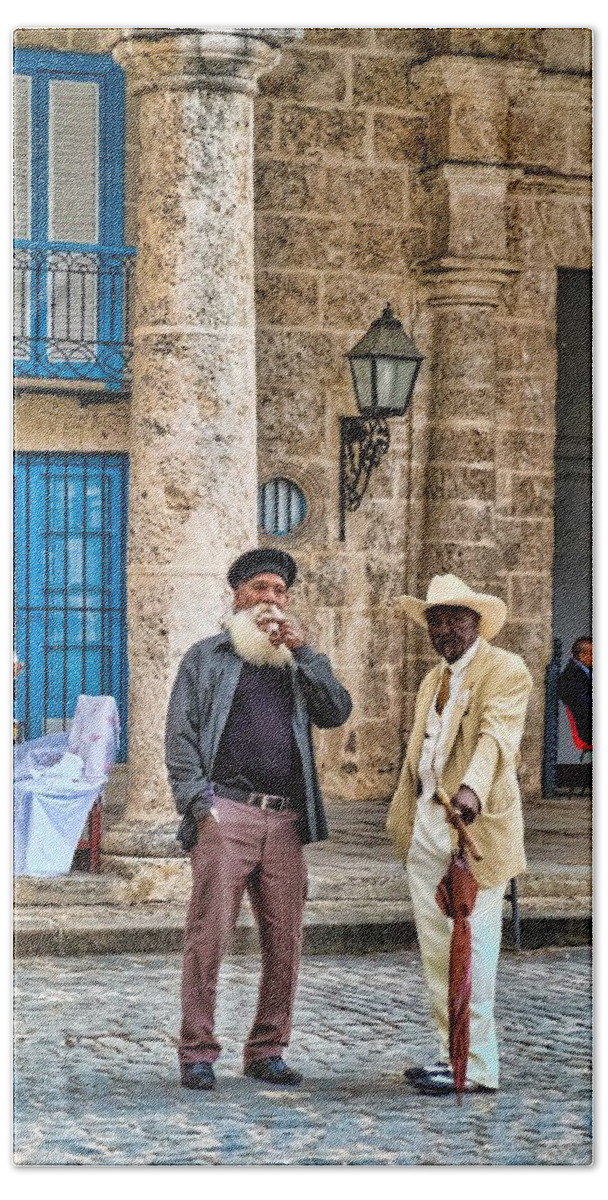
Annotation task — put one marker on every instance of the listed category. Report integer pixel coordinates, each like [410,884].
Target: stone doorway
[572,564]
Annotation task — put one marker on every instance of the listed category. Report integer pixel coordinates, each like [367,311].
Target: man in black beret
[241,764]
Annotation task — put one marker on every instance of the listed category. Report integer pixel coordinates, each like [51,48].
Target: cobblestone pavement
[96,1072]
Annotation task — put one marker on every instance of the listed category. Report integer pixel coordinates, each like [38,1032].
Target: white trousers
[434,930]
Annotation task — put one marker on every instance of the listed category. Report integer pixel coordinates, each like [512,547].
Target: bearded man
[468,724]
[241,764]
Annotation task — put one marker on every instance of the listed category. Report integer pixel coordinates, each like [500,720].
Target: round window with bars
[281,507]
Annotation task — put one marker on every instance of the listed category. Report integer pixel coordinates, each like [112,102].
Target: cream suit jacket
[482,750]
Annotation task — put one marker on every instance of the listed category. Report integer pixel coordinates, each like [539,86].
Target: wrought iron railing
[72,313]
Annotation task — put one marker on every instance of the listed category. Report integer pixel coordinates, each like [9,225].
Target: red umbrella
[456,897]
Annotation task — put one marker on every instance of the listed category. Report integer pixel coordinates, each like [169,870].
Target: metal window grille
[70,523]
[71,314]
[281,507]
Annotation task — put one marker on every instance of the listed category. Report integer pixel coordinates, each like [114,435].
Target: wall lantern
[384,365]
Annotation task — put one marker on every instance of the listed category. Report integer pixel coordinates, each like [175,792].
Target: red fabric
[579,744]
[456,897]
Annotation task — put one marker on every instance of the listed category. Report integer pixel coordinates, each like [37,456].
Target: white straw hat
[449,589]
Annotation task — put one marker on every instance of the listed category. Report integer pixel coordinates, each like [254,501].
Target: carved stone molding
[215,60]
[466,280]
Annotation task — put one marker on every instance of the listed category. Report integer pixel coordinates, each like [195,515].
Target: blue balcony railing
[72,313]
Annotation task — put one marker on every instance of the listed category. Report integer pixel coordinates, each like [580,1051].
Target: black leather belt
[253,799]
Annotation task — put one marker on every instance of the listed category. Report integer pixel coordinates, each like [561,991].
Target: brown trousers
[259,851]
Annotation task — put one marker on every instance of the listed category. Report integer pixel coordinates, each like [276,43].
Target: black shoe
[415,1074]
[198,1075]
[273,1070]
[439,1084]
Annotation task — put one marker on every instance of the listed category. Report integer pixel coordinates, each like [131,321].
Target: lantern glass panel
[394,379]
[362,376]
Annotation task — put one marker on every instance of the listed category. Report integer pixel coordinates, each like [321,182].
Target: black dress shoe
[273,1070]
[198,1075]
[414,1074]
[440,1084]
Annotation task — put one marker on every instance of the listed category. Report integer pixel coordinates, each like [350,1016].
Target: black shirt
[257,749]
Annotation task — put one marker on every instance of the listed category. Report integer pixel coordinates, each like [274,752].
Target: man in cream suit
[468,722]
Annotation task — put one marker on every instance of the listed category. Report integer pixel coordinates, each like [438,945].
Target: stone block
[367,193]
[288,361]
[376,248]
[467,561]
[308,76]
[305,132]
[527,404]
[343,39]
[87,41]
[532,495]
[460,483]
[385,579]
[525,450]
[539,132]
[413,44]
[380,82]
[352,302]
[41,39]
[301,243]
[531,640]
[263,126]
[530,597]
[283,299]
[399,138]
[465,445]
[460,520]
[519,44]
[568,49]
[288,187]
[526,545]
[60,423]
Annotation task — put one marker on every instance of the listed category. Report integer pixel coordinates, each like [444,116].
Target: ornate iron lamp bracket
[363,442]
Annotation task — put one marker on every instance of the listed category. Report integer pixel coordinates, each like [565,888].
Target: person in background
[575,687]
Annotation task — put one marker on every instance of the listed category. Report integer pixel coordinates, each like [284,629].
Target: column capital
[470,281]
[213,60]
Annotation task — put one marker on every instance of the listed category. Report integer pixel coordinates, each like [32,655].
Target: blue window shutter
[77,291]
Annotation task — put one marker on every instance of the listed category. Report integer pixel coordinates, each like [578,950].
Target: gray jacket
[198,709]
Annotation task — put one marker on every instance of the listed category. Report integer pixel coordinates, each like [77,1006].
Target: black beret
[263,561]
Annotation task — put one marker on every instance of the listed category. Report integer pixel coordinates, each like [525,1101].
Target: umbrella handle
[464,836]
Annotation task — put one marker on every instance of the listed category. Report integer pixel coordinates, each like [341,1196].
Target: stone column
[464,184]
[193,482]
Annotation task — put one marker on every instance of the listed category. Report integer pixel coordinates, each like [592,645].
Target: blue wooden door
[70,531]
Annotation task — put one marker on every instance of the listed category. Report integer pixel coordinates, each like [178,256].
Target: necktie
[444,691]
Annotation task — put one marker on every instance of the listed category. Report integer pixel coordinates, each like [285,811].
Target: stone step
[148,881]
[357,926]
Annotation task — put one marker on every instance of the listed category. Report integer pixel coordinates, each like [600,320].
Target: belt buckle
[258,800]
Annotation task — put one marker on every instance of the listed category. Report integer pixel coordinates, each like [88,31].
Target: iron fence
[72,313]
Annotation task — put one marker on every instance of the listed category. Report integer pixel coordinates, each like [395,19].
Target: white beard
[252,643]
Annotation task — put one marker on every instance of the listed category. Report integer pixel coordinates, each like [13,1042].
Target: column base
[149,858]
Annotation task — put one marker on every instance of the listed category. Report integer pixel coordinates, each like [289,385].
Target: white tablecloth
[55,787]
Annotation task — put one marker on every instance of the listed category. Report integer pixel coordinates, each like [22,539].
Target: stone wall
[378,154]
[337,235]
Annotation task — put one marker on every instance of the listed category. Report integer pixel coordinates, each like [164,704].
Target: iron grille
[281,507]
[72,313]
[70,586]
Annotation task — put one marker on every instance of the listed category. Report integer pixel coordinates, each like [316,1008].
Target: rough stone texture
[106,1028]
[193,465]
[444,169]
